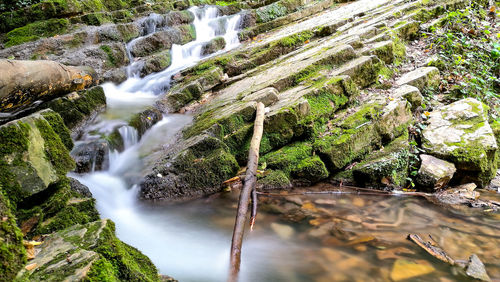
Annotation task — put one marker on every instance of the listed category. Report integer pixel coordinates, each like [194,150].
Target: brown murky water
[352,236]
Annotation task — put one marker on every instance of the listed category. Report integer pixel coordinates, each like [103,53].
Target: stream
[344,237]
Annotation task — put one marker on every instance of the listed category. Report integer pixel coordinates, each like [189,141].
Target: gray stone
[79,187]
[91,156]
[476,269]
[462,194]
[421,78]
[411,94]
[268,96]
[460,133]
[434,173]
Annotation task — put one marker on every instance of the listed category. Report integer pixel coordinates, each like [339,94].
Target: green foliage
[467,45]
[270,12]
[11,5]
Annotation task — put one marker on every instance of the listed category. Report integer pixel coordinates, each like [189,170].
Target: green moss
[102,270]
[128,263]
[57,124]
[13,139]
[275,179]
[391,163]
[36,30]
[57,208]
[12,251]
[75,110]
[55,150]
[364,115]
[109,53]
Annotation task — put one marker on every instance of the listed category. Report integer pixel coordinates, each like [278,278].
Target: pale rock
[421,78]
[434,173]
[460,133]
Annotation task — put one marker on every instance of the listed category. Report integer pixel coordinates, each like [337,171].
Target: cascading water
[185,248]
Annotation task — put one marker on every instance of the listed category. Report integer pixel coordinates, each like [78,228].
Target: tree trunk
[249,185]
[24,82]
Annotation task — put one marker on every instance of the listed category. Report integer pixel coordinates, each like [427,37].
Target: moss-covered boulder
[56,208]
[89,252]
[460,133]
[195,168]
[297,160]
[12,251]
[77,108]
[390,165]
[32,155]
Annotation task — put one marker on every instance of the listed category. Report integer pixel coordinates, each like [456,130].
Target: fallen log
[24,82]
[244,201]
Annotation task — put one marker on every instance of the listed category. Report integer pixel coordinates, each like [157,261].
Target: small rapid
[180,245]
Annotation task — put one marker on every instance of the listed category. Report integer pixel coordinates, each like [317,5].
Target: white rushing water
[179,245]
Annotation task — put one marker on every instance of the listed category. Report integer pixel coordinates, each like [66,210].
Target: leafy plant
[467,44]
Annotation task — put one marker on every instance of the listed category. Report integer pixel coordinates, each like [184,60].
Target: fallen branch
[432,249]
[249,186]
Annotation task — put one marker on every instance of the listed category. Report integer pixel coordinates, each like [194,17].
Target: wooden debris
[430,248]
[249,186]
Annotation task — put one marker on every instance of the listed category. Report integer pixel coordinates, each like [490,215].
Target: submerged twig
[254,209]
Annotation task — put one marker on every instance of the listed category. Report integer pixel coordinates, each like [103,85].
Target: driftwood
[432,249]
[24,82]
[248,187]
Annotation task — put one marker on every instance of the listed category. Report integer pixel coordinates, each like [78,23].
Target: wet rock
[460,133]
[213,46]
[24,82]
[411,94]
[191,169]
[463,194]
[163,40]
[145,120]
[434,173]
[88,252]
[267,96]
[421,78]
[91,156]
[298,161]
[12,251]
[178,18]
[285,232]
[156,62]
[475,269]
[80,188]
[274,180]
[32,154]
[404,269]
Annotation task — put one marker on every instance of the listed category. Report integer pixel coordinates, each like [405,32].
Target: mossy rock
[78,107]
[195,169]
[12,251]
[96,254]
[36,30]
[274,179]
[460,133]
[32,155]
[389,165]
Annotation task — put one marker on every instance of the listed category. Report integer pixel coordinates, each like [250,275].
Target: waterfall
[115,190]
